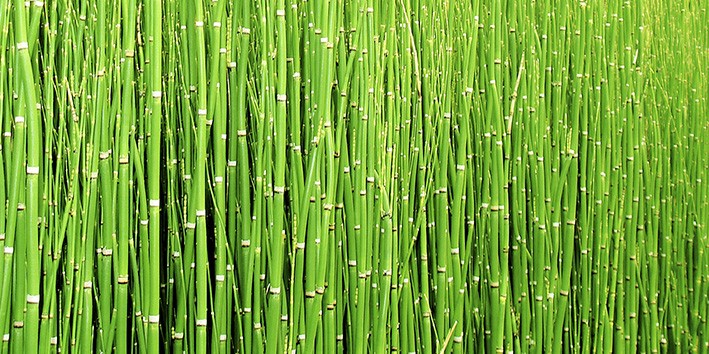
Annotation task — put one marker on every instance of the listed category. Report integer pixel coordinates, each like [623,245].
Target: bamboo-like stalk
[154,162]
[125,226]
[34,156]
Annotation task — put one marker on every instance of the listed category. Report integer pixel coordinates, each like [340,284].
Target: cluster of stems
[354,176]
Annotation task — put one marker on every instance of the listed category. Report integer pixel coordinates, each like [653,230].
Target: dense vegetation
[314,176]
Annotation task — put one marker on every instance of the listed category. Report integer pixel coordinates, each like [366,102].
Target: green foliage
[415,176]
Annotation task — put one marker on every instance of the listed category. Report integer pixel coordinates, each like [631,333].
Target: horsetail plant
[353,176]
